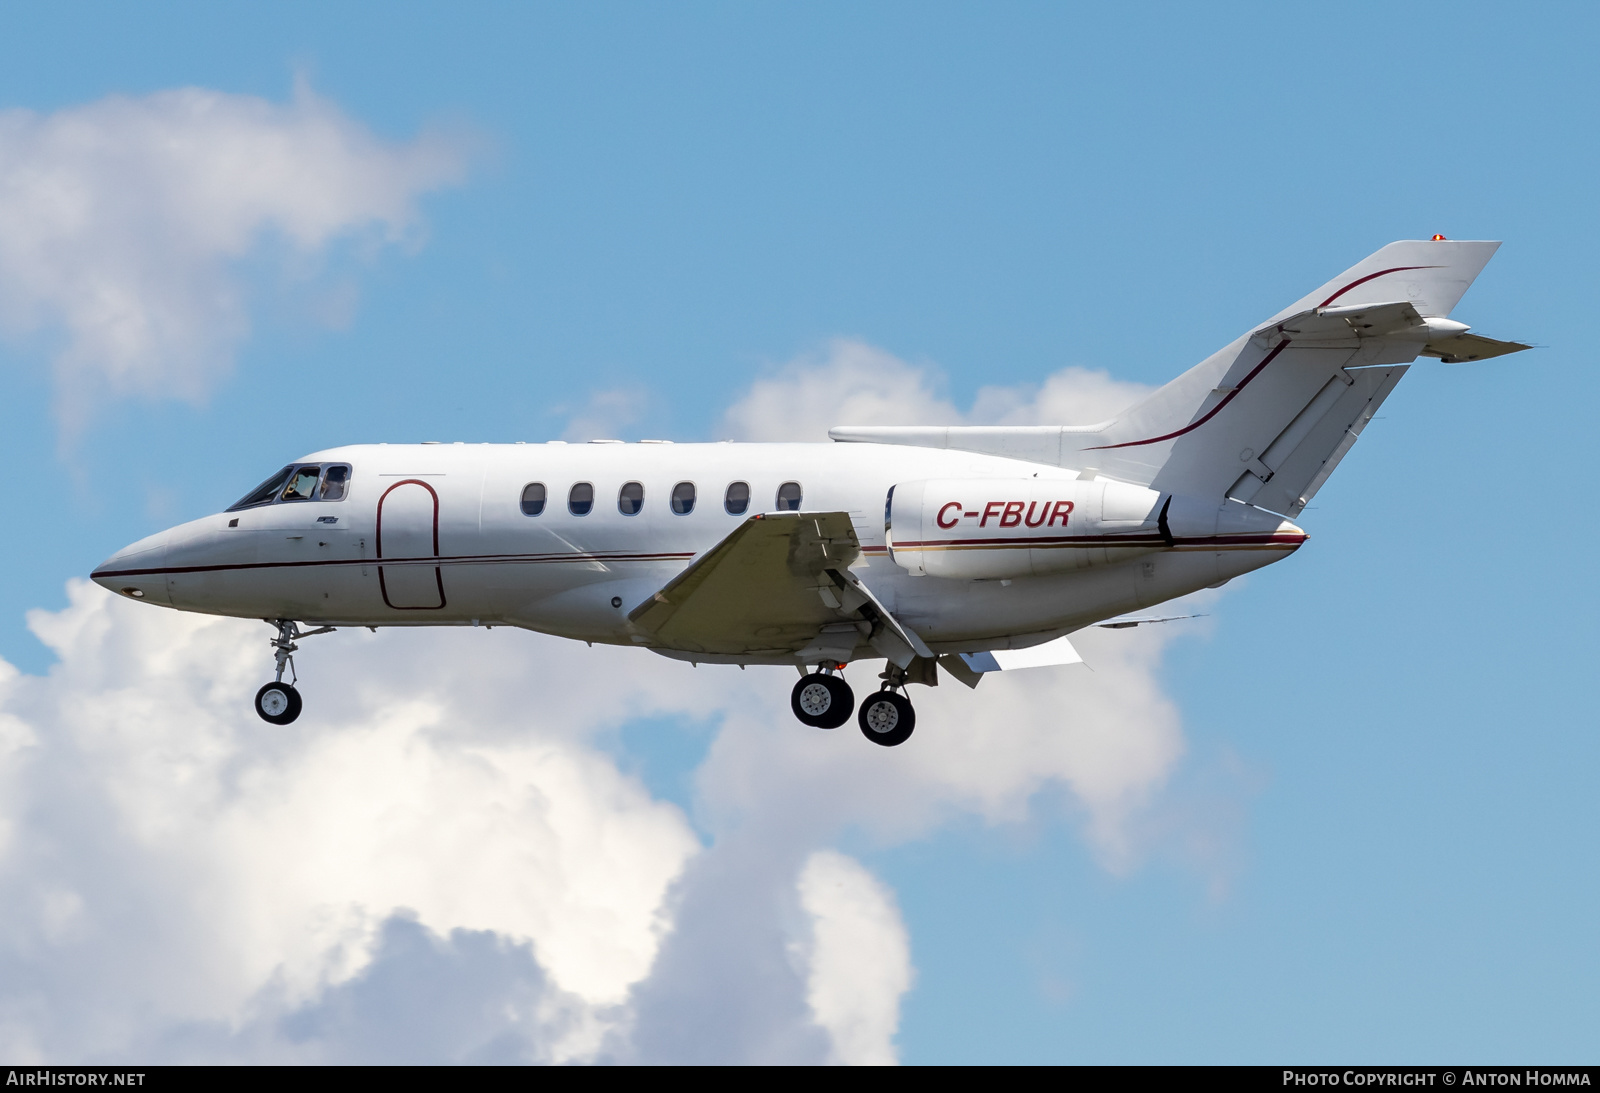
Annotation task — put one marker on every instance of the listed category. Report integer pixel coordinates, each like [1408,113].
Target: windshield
[302,484]
[264,493]
[299,482]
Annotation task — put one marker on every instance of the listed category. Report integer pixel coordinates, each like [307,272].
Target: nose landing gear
[278,702]
[822,699]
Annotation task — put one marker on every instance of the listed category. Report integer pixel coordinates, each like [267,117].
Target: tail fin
[1267,418]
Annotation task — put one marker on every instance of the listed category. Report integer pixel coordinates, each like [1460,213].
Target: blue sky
[1378,840]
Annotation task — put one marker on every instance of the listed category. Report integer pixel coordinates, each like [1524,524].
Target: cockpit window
[335,479]
[302,484]
[299,482]
[264,493]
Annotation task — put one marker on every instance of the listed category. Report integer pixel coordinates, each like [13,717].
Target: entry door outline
[438,575]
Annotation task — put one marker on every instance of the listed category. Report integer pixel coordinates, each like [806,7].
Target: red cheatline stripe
[1053,540]
[1279,538]
[425,560]
[1371,277]
[1254,371]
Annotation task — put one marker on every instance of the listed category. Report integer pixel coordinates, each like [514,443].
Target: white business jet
[972,549]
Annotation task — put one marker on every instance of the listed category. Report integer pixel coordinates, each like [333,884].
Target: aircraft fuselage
[436,534]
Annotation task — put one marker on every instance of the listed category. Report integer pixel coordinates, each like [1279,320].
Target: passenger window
[581,499]
[737,499]
[302,484]
[533,499]
[789,497]
[264,493]
[334,481]
[683,498]
[630,499]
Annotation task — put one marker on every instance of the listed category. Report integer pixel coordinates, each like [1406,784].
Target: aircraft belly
[948,616]
[577,603]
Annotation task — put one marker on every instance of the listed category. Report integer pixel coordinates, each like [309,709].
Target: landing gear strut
[823,698]
[278,702]
[887,718]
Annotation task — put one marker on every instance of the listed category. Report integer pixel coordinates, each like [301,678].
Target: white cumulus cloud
[446,859]
[122,222]
[197,865]
[850,382]
[858,960]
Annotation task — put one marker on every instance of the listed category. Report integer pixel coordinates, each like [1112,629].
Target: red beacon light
[1439,239]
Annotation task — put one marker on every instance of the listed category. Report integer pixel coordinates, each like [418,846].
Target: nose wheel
[278,703]
[822,699]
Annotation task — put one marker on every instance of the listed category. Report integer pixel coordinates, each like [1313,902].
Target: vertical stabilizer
[1265,419]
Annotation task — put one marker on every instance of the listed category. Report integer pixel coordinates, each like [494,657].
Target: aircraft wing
[778,585]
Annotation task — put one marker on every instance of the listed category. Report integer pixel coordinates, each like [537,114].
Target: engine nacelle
[987,528]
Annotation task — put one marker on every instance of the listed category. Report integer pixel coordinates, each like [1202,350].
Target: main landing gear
[823,699]
[887,718]
[278,702]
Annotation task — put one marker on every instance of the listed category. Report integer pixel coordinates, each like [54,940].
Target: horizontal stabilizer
[1461,348]
[1348,325]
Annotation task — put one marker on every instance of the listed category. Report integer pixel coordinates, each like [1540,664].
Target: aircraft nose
[137,571]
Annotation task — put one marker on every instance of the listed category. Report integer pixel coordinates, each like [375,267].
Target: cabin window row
[630,498]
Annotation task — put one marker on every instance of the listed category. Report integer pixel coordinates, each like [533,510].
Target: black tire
[887,719]
[278,703]
[822,701]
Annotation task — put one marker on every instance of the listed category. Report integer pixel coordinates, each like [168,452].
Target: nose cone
[137,571]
